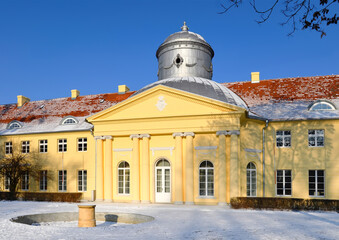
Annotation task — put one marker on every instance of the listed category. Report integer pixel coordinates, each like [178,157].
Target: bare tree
[300,14]
[14,167]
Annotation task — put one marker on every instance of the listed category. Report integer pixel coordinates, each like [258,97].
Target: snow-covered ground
[174,222]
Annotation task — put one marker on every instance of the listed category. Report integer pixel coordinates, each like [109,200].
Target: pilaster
[145,170]
[178,169]
[189,179]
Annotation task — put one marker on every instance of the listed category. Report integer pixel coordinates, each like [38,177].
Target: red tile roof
[287,89]
[60,107]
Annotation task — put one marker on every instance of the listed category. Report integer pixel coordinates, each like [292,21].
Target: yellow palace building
[183,139]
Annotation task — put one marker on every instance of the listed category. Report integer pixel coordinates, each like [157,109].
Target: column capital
[234,132]
[178,134]
[144,135]
[227,133]
[99,137]
[189,134]
[219,133]
[134,136]
[108,137]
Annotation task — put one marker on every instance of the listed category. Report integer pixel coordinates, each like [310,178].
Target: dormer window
[69,121]
[322,106]
[14,125]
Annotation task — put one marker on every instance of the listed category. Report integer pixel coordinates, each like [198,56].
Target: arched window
[251,175]
[14,125]
[322,106]
[68,121]
[163,163]
[123,178]
[206,179]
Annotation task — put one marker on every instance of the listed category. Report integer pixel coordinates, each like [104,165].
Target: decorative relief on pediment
[161,104]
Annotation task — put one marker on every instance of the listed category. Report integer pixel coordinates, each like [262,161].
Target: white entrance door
[163,181]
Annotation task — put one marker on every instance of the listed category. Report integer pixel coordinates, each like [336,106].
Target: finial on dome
[184,27]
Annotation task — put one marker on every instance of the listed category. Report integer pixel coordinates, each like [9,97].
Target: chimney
[255,77]
[22,100]
[123,89]
[75,94]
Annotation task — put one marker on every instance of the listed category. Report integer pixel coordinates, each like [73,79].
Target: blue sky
[49,47]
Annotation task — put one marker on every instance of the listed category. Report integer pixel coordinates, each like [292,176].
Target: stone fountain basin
[127,218]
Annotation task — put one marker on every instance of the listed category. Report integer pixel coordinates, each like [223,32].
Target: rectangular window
[7,181]
[62,180]
[43,180]
[316,181]
[284,182]
[25,147]
[25,181]
[82,180]
[283,138]
[82,144]
[62,145]
[8,148]
[316,138]
[43,146]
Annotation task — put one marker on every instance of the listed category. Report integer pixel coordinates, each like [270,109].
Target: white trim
[205,147]
[252,150]
[162,149]
[122,149]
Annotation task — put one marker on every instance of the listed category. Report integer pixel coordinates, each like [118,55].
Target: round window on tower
[178,60]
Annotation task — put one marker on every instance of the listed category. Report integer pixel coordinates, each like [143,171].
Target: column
[228,168]
[222,166]
[178,183]
[234,164]
[145,170]
[99,169]
[135,173]
[189,181]
[108,177]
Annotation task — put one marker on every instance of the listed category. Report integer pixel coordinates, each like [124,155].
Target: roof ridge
[278,79]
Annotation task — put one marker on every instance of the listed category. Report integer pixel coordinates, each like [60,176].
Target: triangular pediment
[161,102]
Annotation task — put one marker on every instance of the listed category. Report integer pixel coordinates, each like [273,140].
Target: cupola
[185,54]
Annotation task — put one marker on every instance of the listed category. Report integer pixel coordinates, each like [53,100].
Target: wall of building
[72,160]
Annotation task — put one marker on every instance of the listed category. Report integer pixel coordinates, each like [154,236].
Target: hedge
[44,196]
[285,203]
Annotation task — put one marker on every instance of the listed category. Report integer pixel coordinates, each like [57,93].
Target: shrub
[285,203]
[44,196]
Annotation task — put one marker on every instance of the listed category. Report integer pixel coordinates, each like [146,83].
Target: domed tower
[185,54]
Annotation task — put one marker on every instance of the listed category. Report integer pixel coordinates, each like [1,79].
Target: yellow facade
[185,139]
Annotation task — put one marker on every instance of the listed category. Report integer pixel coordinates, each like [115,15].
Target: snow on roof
[45,115]
[289,98]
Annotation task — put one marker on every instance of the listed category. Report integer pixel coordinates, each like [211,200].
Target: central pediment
[164,102]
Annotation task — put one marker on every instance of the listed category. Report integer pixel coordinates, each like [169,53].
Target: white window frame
[69,121]
[14,125]
[316,183]
[82,144]
[124,178]
[43,146]
[322,103]
[25,181]
[204,172]
[284,182]
[7,181]
[285,136]
[43,180]
[82,180]
[25,146]
[8,147]
[250,192]
[62,180]
[62,145]
[317,135]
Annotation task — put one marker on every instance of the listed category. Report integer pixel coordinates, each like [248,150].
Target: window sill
[206,197]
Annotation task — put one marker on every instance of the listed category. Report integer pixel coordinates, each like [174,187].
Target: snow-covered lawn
[174,222]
